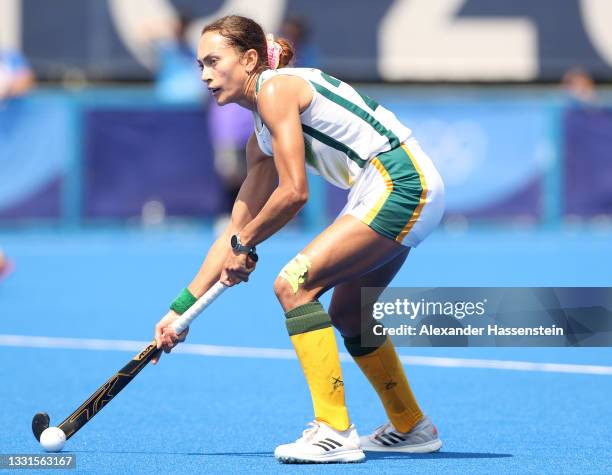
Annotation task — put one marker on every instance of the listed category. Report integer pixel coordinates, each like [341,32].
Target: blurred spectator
[177,77]
[16,77]
[6,266]
[580,87]
[296,30]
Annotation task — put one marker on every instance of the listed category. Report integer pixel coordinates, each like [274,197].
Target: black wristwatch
[238,247]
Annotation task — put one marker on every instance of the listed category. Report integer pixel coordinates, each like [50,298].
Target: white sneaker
[423,438]
[321,443]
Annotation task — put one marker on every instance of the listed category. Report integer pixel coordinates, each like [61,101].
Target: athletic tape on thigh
[295,271]
[306,318]
[353,343]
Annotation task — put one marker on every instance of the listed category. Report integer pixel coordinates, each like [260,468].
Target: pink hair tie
[274,51]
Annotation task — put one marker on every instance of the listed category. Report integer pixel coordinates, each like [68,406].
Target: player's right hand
[165,336]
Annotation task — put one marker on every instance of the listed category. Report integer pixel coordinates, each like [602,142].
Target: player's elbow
[301,197]
[296,197]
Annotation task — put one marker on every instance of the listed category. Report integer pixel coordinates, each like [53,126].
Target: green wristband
[184,300]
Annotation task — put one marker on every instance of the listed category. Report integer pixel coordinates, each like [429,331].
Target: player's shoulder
[285,76]
[282,83]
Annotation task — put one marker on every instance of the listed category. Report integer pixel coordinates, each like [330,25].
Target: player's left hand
[236,269]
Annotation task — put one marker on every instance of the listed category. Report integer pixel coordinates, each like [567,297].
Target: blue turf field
[220,414]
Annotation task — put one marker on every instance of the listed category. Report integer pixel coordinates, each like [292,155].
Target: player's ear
[249,59]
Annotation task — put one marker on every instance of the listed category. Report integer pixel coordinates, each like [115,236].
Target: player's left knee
[281,289]
[290,286]
[288,297]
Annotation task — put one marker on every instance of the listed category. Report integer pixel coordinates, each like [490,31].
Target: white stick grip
[181,323]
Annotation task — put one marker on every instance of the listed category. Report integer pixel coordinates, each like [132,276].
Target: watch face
[234,241]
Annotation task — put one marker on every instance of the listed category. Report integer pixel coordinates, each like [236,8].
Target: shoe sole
[353,456]
[426,448]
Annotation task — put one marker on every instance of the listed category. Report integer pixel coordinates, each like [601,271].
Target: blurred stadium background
[115,168]
[498,93]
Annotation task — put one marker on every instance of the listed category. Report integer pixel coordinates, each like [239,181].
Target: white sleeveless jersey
[343,129]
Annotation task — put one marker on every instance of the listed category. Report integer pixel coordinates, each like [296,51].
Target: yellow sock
[315,344]
[385,372]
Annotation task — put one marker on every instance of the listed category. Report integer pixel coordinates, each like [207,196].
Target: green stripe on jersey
[405,197]
[330,79]
[359,112]
[333,143]
[309,154]
[372,104]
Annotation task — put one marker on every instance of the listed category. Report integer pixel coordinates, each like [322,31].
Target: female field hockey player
[305,118]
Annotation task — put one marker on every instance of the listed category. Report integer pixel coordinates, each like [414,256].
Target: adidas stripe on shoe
[423,438]
[321,443]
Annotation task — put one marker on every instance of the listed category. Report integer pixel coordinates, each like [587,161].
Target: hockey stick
[124,376]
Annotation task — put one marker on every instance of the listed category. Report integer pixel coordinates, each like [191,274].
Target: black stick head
[40,423]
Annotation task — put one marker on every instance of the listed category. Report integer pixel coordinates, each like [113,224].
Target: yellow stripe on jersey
[381,201]
[417,212]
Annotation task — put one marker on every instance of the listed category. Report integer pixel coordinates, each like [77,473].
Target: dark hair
[244,34]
